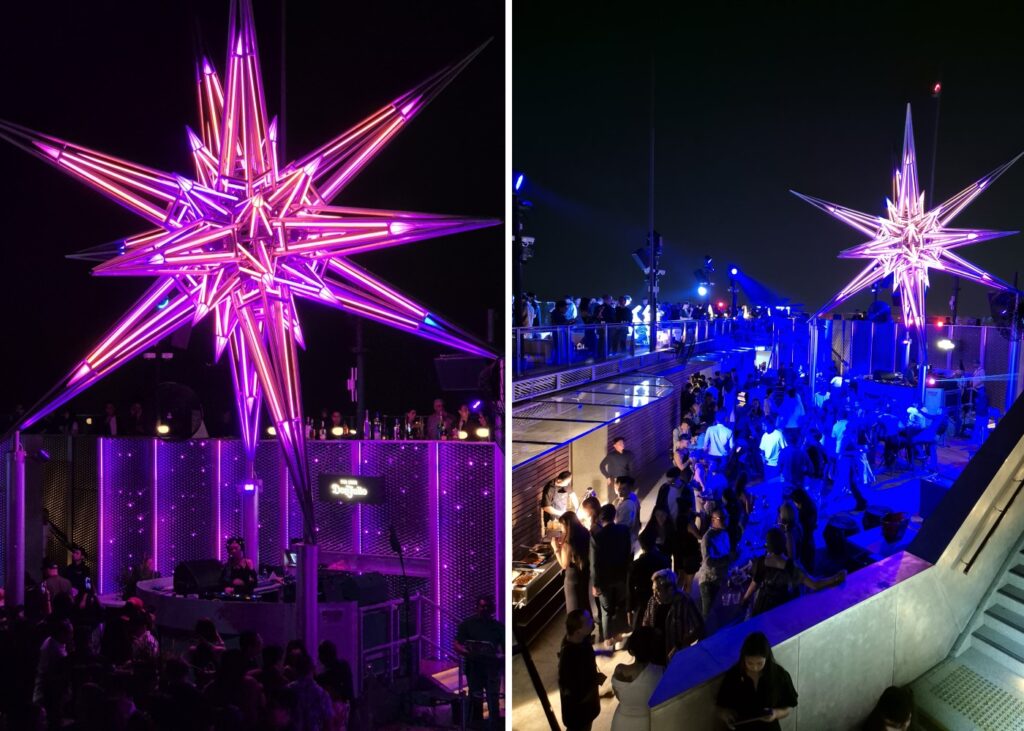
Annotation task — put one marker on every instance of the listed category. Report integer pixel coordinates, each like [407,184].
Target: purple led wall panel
[466,512]
[185,498]
[126,509]
[404,469]
[6,446]
[273,520]
[232,472]
[245,235]
[335,523]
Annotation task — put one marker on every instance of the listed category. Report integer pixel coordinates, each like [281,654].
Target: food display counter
[536,589]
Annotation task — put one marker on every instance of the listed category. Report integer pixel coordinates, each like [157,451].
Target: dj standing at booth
[238,577]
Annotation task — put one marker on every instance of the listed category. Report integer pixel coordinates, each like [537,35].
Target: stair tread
[1006,616]
[1013,592]
[999,641]
[1018,570]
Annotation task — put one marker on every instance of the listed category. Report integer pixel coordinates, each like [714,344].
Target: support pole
[305,596]
[360,352]
[15,570]
[1013,369]
[813,367]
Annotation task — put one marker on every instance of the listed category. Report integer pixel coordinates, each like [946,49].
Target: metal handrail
[995,526]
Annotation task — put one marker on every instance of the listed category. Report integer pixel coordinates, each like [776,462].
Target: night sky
[750,104]
[118,77]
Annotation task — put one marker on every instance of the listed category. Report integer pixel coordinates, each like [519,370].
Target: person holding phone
[756,692]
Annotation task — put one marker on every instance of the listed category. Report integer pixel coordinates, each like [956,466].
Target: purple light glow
[234,238]
[910,240]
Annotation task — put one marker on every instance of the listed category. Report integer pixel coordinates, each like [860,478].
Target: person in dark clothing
[756,690]
[480,639]
[558,317]
[611,555]
[894,711]
[578,677]
[807,514]
[617,463]
[77,572]
[673,613]
[649,562]
[141,572]
[336,677]
[238,576]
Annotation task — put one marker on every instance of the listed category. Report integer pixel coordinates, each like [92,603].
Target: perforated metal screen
[336,524]
[466,521]
[404,468]
[125,470]
[186,501]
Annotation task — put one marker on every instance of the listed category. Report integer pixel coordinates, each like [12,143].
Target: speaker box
[201,576]
[342,586]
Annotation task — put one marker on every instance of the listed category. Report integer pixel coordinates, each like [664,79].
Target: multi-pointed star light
[246,236]
[912,240]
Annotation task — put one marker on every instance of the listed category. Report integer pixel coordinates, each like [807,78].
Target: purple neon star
[910,240]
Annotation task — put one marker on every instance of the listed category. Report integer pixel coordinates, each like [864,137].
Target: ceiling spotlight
[946,344]
[702,291]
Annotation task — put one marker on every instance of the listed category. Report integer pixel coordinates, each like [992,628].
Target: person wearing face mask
[756,692]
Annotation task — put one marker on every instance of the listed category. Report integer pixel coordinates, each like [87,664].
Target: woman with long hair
[633,684]
[572,549]
[756,691]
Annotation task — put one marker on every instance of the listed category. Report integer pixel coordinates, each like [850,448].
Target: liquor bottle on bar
[396,431]
[309,428]
[323,430]
[367,428]
[378,432]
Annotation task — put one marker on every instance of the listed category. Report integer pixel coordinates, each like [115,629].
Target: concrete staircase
[1000,635]
[981,683]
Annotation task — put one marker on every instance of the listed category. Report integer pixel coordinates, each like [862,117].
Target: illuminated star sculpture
[912,240]
[245,236]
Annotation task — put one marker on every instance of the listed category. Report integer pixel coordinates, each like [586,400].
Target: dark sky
[753,100]
[118,76]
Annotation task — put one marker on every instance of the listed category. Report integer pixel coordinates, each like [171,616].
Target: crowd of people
[635,582]
[605,309]
[71,663]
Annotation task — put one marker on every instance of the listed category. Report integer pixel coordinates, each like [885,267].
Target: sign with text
[351,489]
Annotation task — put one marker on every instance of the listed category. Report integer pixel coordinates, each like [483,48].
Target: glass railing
[544,349]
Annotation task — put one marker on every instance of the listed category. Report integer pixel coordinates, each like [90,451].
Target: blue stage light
[702,290]
[519,182]
[734,271]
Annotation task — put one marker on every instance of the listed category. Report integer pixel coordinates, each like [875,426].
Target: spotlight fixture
[271,431]
[163,429]
[337,431]
[702,291]
[946,344]
[483,432]
[463,434]
[519,182]
[734,271]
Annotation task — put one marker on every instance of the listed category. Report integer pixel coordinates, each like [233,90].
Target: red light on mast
[937,89]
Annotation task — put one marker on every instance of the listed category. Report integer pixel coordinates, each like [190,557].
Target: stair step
[1007,621]
[1013,651]
[1013,592]
[1015,576]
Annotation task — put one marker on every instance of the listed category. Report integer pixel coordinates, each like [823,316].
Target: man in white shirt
[772,444]
[718,440]
[838,429]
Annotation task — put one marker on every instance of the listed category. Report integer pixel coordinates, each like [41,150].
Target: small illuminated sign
[351,489]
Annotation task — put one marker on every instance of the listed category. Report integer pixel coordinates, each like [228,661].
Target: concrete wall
[889,624]
[587,453]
